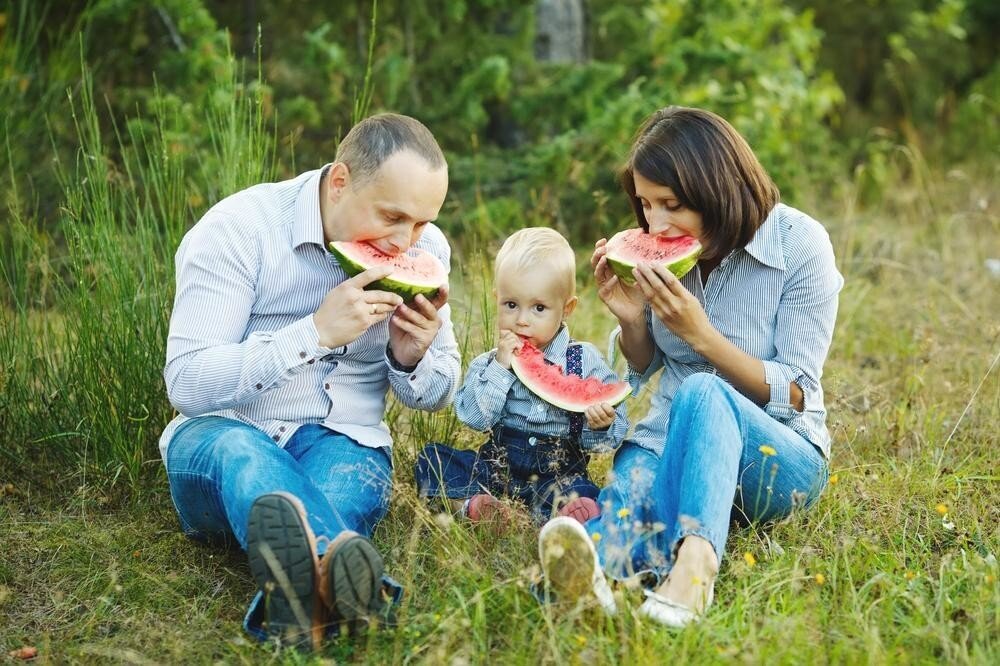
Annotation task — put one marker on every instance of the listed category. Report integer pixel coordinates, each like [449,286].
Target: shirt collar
[765,246]
[308,223]
[555,351]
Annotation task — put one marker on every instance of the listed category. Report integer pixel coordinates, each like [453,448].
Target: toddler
[537,453]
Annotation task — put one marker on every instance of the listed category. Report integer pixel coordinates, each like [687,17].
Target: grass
[896,562]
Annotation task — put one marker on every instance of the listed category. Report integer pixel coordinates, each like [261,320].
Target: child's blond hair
[539,246]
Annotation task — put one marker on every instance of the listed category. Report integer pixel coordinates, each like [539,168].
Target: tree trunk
[560,29]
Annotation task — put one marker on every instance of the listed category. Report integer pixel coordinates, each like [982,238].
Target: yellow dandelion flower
[942,509]
[581,640]
[909,575]
[820,579]
[623,512]
[990,579]
[596,536]
[834,478]
[767,450]
[749,558]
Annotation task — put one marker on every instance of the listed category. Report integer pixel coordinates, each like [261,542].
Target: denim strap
[574,366]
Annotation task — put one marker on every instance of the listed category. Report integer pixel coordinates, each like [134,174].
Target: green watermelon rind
[556,401]
[680,267]
[405,290]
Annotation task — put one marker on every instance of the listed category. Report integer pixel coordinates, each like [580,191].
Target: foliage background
[122,121]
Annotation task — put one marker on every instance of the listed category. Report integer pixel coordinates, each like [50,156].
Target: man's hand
[413,327]
[600,416]
[348,310]
[506,346]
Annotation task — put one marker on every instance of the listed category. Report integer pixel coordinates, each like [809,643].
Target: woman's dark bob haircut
[710,168]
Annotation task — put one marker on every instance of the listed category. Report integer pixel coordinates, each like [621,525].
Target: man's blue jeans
[217,467]
[724,458]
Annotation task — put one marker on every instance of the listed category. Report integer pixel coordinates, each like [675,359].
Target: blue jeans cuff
[253,621]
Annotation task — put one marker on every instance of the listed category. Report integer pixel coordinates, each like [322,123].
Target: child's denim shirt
[492,395]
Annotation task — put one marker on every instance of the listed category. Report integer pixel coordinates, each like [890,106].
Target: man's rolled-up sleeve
[431,384]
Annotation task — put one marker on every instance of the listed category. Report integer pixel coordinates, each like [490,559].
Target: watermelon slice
[569,392]
[627,249]
[415,272]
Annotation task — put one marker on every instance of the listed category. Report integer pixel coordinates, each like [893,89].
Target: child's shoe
[581,509]
[483,508]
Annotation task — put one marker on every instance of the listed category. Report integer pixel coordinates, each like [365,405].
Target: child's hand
[600,416]
[506,346]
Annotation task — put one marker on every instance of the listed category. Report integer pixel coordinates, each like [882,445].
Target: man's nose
[402,239]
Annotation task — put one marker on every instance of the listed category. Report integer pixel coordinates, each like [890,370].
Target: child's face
[532,304]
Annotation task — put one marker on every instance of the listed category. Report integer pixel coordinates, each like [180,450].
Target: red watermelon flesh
[414,271]
[550,383]
[627,249]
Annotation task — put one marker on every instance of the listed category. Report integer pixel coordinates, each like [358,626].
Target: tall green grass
[87,304]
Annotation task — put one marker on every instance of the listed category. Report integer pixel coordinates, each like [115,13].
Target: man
[279,365]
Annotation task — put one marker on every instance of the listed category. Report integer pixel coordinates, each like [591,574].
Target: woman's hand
[624,301]
[673,304]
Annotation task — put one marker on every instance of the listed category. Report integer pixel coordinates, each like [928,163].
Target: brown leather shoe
[281,549]
[351,581]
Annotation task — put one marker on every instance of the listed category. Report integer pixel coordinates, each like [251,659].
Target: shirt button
[532,441]
[310,361]
[326,386]
[302,354]
[540,408]
[276,437]
[260,386]
[413,378]
[281,429]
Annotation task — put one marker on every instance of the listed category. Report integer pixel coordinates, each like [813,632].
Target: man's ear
[337,180]
[569,307]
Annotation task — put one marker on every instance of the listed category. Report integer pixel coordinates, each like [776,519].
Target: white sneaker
[570,564]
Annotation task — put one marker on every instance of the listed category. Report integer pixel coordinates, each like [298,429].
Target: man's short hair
[539,246]
[374,140]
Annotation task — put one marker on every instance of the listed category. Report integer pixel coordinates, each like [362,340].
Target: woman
[737,423]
